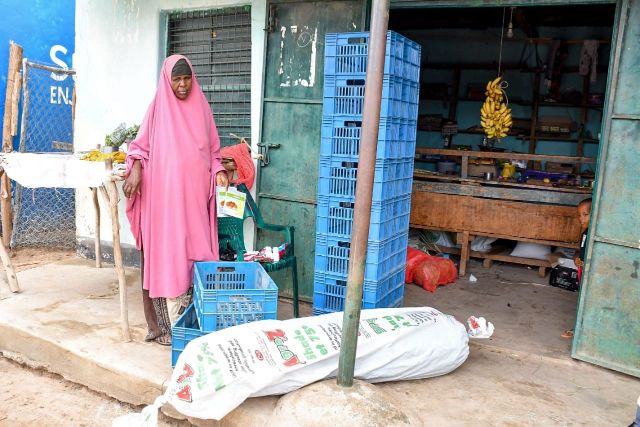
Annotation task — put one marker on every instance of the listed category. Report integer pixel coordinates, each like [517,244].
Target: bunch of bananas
[99,156]
[495,116]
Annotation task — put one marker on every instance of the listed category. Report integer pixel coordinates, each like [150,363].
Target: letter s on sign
[59,62]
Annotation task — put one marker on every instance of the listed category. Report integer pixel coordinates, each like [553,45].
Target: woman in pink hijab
[173,167]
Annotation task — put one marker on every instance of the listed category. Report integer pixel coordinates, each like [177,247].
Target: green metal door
[608,323]
[291,121]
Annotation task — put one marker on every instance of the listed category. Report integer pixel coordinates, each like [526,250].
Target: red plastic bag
[427,276]
[429,271]
[414,258]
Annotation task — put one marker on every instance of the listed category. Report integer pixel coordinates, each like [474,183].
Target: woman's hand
[132,183]
[222,179]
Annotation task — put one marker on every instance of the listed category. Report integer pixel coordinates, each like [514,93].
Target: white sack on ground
[217,372]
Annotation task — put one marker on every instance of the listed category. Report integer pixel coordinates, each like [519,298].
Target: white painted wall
[117,61]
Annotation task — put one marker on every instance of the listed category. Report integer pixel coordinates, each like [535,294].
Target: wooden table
[473,207]
[109,192]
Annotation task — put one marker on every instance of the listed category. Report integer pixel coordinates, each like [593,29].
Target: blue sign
[46,31]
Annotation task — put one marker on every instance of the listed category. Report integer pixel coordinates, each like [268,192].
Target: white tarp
[217,372]
[49,170]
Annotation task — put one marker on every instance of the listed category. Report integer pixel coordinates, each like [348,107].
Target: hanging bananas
[495,116]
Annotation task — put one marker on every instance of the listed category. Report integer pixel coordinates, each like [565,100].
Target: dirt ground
[26,258]
[34,397]
[31,397]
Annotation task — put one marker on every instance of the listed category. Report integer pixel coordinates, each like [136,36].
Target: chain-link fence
[45,216]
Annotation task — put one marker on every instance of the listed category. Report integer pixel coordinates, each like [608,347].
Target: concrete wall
[119,51]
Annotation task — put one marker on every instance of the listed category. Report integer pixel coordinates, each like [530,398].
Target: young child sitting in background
[584,214]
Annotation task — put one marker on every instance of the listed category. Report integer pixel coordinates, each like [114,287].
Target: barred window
[218,43]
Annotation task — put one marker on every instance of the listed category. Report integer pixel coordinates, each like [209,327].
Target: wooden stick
[12,279]
[15,58]
[98,247]
[112,193]
[15,98]
[464,256]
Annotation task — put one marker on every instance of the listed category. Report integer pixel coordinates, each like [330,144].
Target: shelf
[508,66]
[504,155]
[524,103]
[518,136]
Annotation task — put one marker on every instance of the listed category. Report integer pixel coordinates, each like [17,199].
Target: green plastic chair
[231,236]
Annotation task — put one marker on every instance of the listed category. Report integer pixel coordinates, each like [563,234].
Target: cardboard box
[556,124]
[479,170]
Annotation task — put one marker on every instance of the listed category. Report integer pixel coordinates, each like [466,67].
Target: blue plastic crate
[344,96]
[372,291]
[383,258]
[334,217]
[341,141]
[338,178]
[346,53]
[232,293]
[184,331]
[330,292]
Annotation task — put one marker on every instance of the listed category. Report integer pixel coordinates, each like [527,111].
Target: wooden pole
[15,59]
[15,98]
[111,192]
[364,192]
[98,247]
[12,279]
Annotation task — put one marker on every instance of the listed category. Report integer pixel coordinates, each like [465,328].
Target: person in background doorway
[584,214]
[173,167]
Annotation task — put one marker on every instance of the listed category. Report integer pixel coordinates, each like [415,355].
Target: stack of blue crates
[344,82]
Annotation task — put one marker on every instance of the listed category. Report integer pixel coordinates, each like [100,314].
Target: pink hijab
[174,219]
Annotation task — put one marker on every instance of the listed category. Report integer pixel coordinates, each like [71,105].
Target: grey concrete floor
[67,321]
[528,314]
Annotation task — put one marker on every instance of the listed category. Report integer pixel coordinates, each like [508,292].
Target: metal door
[608,323]
[291,121]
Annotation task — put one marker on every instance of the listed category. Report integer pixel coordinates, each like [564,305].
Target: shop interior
[506,206]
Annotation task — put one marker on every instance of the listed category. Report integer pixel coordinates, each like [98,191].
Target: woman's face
[181,86]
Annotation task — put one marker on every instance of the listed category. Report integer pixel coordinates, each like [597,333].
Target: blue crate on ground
[184,331]
[232,293]
[338,178]
[334,217]
[383,257]
[346,53]
[330,293]
[344,95]
[341,141]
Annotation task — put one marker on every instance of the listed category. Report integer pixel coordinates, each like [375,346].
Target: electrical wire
[504,12]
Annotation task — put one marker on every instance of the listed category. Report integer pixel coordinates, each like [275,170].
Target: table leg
[8,267]
[542,271]
[464,254]
[98,247]
[112,193]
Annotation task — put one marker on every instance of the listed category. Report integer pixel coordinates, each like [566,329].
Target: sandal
[567,334]
[163,339]
[151,336]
